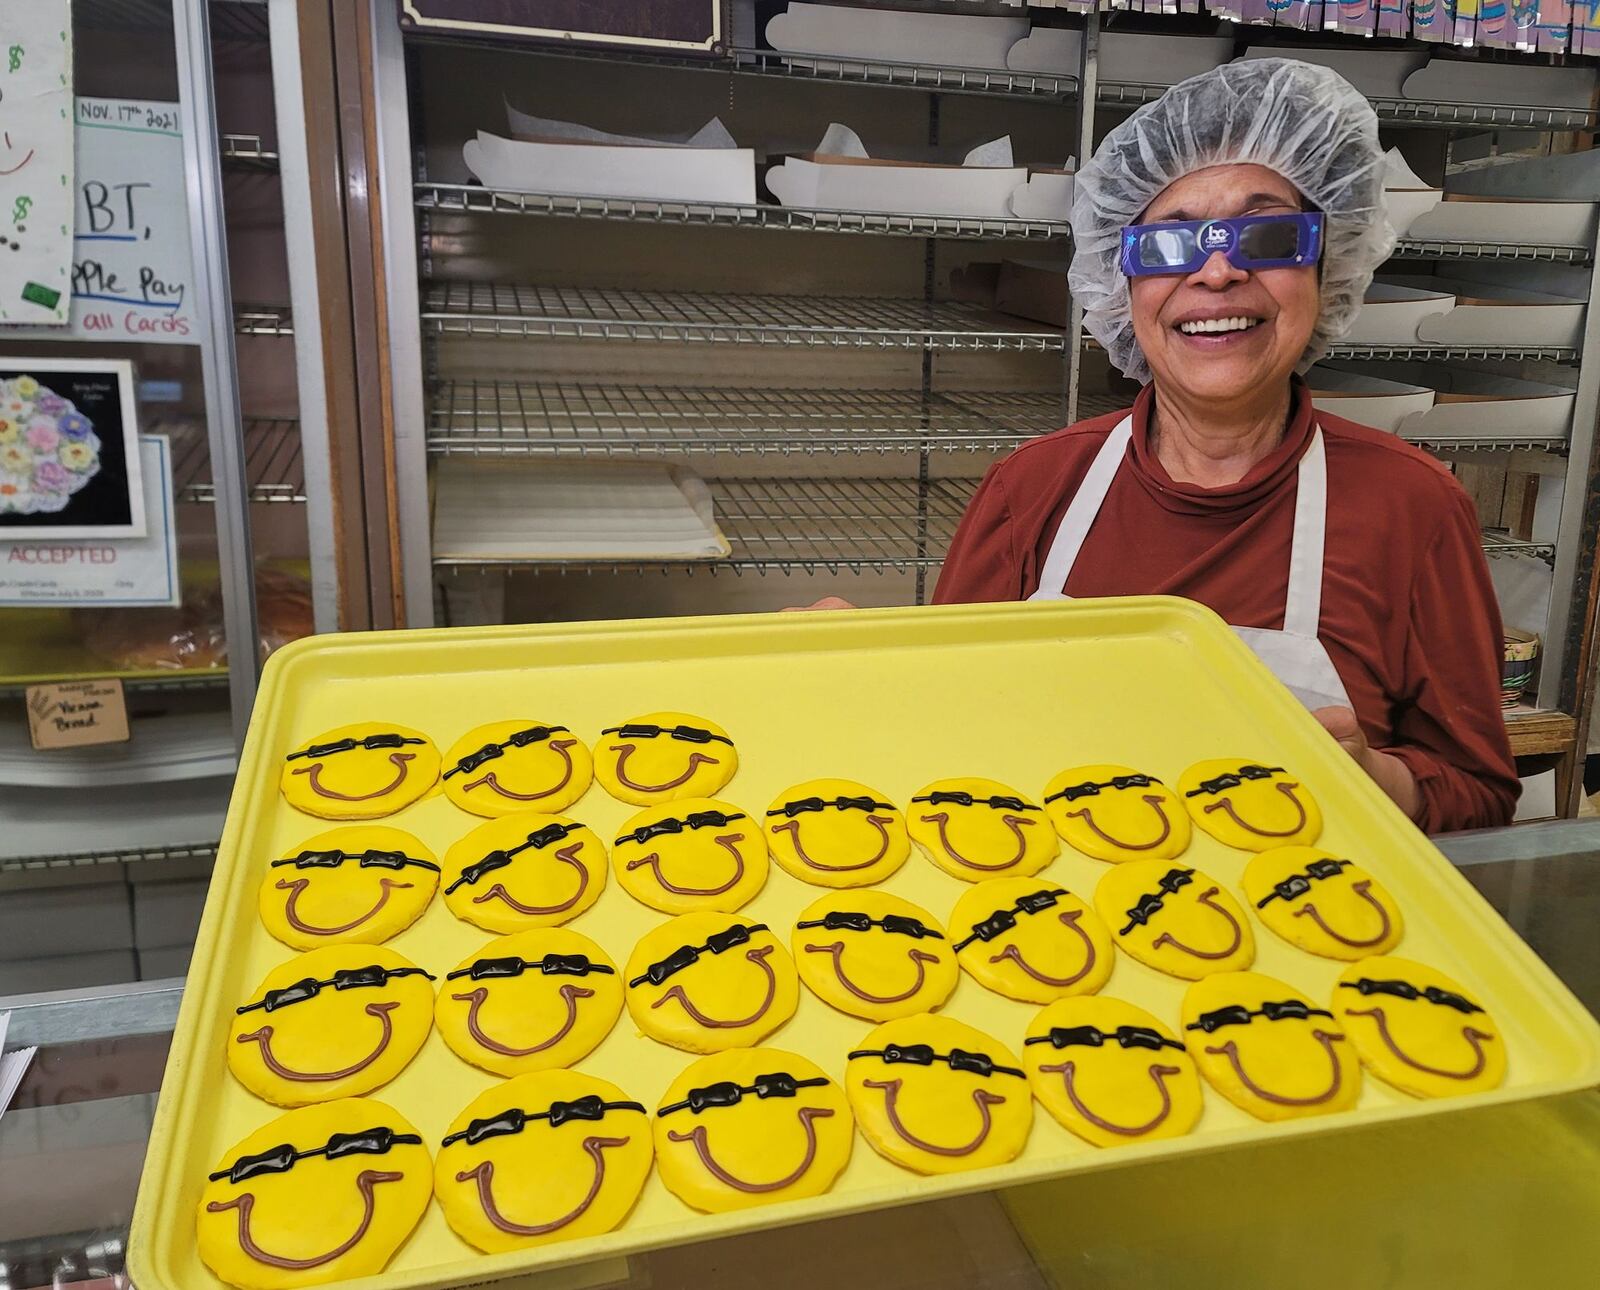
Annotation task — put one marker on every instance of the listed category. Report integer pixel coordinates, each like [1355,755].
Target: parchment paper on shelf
[543,511]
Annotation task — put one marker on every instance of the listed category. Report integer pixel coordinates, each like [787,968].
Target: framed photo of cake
[69,449]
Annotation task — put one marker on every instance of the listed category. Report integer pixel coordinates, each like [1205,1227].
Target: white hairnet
[1305,122]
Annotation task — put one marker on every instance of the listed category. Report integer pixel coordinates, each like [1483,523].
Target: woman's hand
[827,602]
[1392,775]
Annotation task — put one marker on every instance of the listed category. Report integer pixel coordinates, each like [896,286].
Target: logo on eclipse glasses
[1216,237]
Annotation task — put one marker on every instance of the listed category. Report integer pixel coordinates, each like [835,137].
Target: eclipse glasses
[1251,242]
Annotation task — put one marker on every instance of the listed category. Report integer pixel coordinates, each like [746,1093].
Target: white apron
[1294,655]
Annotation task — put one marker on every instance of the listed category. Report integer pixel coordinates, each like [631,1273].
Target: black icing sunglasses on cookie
[369,859]
[1150,904]
[371,743]
[957,1059]
[806,805]
[538,840]
[489,752]
[1237,1014]
[514,1119]
[1224,782]
[1405,990]
[687,734]
[842,920]
[549,965]
[955,798]
[281,1159]
[1003,920]
[688,955]
[727,1093]
[671,827]
[1297,884]
[1089,788]
[343,979]
[1094,1037]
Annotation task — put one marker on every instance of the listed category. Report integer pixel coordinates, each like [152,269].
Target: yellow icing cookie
[978,828]
[937,1096]
[360,772]
[690,854]
[324,1193]
[1031,939]
[1110,1072]
[1116,813]
[1267,1048]
[548,1156]
[837,833]
[530,1002]
[334,1022]
[1177,920]
[360,884]
[874,955]
[750,1127]
[663,756]
[705,982]
[1418,1029]
[507,767]
[524,871]
[1250,806]
[1323,904]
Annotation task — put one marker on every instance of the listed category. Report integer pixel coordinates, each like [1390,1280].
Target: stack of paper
[13,1066]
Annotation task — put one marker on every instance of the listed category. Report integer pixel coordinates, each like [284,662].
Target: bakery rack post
[982,382]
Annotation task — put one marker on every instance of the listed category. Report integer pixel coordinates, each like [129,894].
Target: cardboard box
[1034,289]
[1490,314]
[1519,84]
[892,36]
[1129,58]
[1366,400]
[1506,221]
[1392,313]
[1478,405]
[648,173]
[1377,73]
[1047,195]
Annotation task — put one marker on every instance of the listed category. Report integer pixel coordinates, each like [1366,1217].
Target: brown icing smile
[981,1098]
[296,886]
[313,774]
[1364,890]
[567,855]
[1070,921]
[570,994]
[1157,804]
[1471,1034]
[1288,791]
[484,1176]
[624,751]
[1230,1050]
[758,956]
[245,1203]
[263,1037]
[489,781]
[1204,898]
[920,957]
[1158,1076]
[1012,822]
[697,1135]
[728,842]
[879,822]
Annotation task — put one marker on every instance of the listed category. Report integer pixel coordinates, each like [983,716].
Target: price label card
[70,714]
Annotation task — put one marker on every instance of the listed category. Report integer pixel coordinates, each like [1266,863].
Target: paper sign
[71,714]
[36,162]
[122,572]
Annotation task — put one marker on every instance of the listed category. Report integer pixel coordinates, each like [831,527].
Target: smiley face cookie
[360,884]
[706,982]
[664,756]
[1116,813]
[360,772]
[324,1193]
[1267,1048]
[524,871]
[333,1022]
[691,854]
[1031,940]
[510,766]
[977,828]
[874,955]
[1417,1029]
[543,1157]
[1250,806]
[1175,919]
[837,833]
[1110,1072]
[530,1002]
[1323,904]
[749,1127]
[937,1096]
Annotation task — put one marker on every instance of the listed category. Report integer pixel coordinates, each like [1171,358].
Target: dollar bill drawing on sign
[36,163]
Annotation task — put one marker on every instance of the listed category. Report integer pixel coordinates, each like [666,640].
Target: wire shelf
[1498,544]
[834,525]
[1409,249]
[189,851]
[272,462]
[536,418]
[1459,443]
[263,320]
[248,152]
[915,76]
[598,313]
[1452,353]
[471,198]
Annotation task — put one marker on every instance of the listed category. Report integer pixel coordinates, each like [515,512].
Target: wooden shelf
[1536,734]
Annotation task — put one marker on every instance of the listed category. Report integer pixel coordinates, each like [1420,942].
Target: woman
[1223,237]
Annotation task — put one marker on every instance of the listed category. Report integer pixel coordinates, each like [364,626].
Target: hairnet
[1305,122]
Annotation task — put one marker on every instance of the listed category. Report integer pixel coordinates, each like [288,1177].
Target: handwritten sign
[70,714]
[36,162]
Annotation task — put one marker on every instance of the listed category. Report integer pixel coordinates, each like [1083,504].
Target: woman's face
[1280,304]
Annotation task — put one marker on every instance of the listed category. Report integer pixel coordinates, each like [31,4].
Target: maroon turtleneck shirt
[1409,616]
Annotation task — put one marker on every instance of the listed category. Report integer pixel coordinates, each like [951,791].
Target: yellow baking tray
[894,698]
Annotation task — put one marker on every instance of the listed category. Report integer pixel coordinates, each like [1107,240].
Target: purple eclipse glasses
[1251,242]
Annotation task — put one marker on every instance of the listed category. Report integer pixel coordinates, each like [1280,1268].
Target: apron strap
[1302,610]
[1083,508]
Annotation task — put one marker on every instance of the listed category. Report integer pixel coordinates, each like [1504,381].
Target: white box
[890,36]
[1490,314]
[669,174]
[1520,84]
[1366,400]
[1047,195]
[888,187]
[1126,58]
[1506,221]
[1392,313]
[1377,73]
[1477,405]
